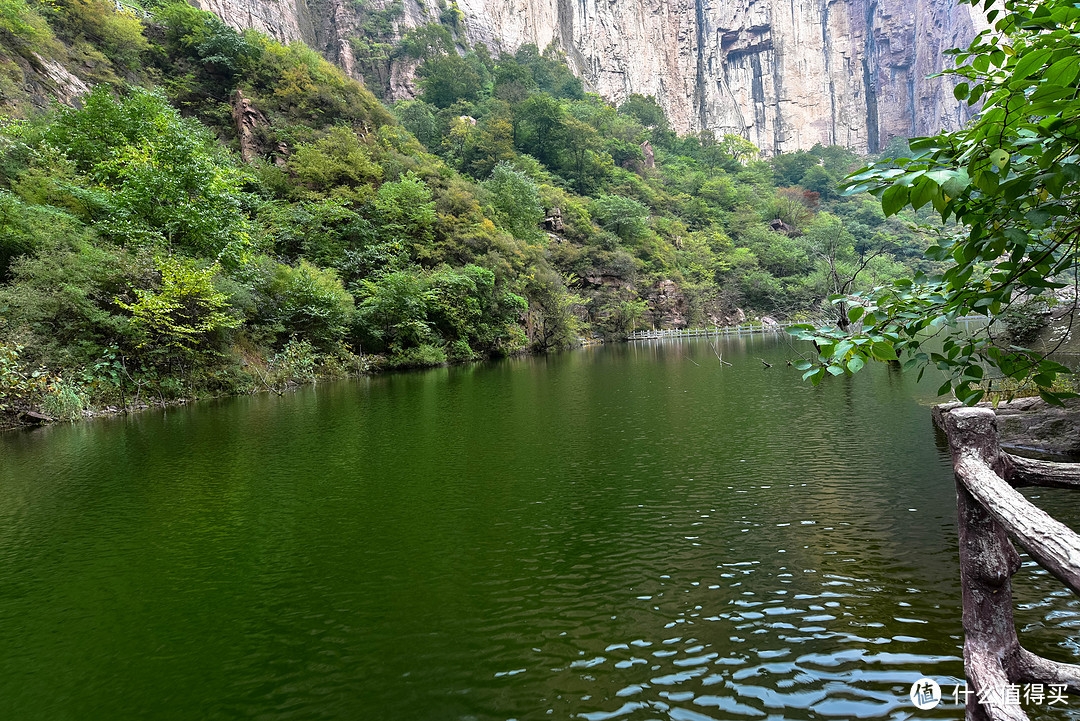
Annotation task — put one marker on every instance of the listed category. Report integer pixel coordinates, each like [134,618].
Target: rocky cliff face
[783,73]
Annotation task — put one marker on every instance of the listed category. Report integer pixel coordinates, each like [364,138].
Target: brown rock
[247,118]
[553,222]
[650,156]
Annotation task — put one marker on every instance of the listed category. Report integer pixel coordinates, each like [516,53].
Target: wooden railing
[709,331]
[989,511]
[750,328]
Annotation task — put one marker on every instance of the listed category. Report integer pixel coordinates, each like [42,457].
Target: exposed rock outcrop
[668,305]
[1033,424]
[785,75]
[247,119]
[283,20]
[553,221]
[648,154]
[47,81]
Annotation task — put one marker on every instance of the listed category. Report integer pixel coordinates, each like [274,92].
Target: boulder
[553,221]
[1034,424]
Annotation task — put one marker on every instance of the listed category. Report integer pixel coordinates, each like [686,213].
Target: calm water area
[619,532]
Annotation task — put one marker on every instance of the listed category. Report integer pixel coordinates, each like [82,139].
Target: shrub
[23,25]
[309,302]
[625,217]
[160,178]
[20,386]
[63,299]
[393,311]
[334,164]
[183,314]
[515,200]
[406,214]
[65,400]
[422,356]
[118,32]
[296,361]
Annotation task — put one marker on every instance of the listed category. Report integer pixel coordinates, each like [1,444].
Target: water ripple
[612,534]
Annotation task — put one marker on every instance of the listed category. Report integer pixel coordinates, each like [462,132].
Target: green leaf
[923,192]
[955,185]
[855,313]
[1052,398]
[856,364]
[883,351]
[894,198]
[1038,217]
[999,157]
[1030,63]
[1064,71]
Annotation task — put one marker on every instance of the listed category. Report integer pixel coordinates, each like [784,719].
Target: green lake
[620,532]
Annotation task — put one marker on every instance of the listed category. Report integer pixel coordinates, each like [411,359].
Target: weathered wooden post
[987,564]
[989,511]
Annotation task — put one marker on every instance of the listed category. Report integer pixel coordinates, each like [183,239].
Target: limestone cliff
[784,73]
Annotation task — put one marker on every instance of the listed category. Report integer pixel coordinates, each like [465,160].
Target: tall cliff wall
[784,73]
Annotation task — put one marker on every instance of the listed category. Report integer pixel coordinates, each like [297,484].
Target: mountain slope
[783,74]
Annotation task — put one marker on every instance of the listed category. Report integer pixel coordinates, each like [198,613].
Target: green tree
[308,301]
[647,111]
[540,119]
[420,120]
[392,312]
[470,312]
[25,227]
[161,179]
[62,299]
[1010,181]
[552,314]
[493,144]
[181,315]
[550,71]
[516,202]
[513,81]
[334,164]
[819,180]
[625,217]
[427,41]
[739,148]
[789,168]
[406,214]
[447,79]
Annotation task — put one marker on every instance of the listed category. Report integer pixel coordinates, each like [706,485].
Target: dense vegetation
[152,247]
[1010,182]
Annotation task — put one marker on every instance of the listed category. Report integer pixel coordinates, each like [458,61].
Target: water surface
[623,532]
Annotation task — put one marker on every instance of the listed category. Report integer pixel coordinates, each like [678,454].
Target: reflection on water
[626,532]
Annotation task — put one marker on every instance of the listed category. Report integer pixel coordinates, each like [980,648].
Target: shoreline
[19,422]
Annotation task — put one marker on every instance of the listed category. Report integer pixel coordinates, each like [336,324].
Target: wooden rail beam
[1021,471]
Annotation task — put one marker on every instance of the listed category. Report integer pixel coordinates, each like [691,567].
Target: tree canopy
[1007,189]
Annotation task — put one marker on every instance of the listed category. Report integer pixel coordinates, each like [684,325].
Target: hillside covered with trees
[219,213]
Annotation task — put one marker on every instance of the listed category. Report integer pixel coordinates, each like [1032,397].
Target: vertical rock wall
[785,74]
